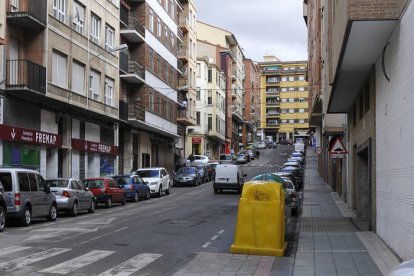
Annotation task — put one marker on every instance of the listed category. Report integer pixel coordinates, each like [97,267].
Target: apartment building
[368,65]
[187,63]
[231,63]
[148,86]
[208,136]
[251,102]
[285,98]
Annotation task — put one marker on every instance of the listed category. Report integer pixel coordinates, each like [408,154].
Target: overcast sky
[262,27]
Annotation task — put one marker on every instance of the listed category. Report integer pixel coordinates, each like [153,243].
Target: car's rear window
[148,173]
[123,180]
[94,183]
[225,157]
[59,183]
[6,181]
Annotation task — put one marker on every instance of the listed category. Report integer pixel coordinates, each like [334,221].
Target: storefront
[25,147]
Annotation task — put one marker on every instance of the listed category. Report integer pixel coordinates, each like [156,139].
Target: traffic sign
[338,147]
[337,155]
[318,150]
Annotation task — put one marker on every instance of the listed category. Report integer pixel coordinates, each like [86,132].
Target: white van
[228,177]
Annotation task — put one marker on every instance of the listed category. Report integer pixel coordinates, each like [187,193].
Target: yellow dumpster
[260,228]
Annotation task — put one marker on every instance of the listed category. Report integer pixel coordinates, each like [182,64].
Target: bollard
[260,228]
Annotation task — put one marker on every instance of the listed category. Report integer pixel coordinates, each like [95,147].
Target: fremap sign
[30,136]
[89,146]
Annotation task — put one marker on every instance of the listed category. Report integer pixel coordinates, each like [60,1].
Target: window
[172,40]
[167,110]
[198,118]
[59,9]
[78,77]
[291,110]
[210,97]
[78,17]
[301,100]
[59,69]
[109,91]
[301,88]
[159,28]
[109,37]
[95,28]
[301,121]
[284,121]
[210,122]
[291,89]
[165,72]
[291,100]
[166,5]
[166,35]
[209,75]
[198,70]
[151,20]
[301,78]
[151,59]
[291,121]
[198,94]
[284,89]
[172,9]
[301,110]
[291,78]
[94,80]
[151,101]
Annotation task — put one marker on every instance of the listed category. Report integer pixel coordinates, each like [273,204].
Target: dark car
[105,190]
[202,170]
[187,176]
[211,169]
[286,142]
[134,186]
[3,209]
[296,174]
[272,144]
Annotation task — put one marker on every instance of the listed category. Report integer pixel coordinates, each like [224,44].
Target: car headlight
[153,183]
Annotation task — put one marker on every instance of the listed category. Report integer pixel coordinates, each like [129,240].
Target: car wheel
[108,203]
[167,192]
[136,197]
[92,207]
[159,191]
[148,195]
[123,200]
[27,217]
[74,210]
[2,218]
[216,191]
[52,213]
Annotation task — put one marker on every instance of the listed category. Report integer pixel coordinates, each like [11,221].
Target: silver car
[71,195]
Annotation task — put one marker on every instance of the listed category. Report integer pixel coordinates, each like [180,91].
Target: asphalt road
[154,237]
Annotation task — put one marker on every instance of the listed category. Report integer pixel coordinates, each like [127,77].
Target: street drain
[121,244]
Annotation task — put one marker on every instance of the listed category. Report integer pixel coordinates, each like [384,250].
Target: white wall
[92,133]
[48,164]
[160,123]
[394,143]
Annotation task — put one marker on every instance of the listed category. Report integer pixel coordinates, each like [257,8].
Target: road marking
[206,244]
[24,261]
[132,265]
[98,237]
[214,238]
[103,221]
[78,262]
[56,231]
[221,231]
[12,249]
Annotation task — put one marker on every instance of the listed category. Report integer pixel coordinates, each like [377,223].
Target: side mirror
[47,189]
[245,174]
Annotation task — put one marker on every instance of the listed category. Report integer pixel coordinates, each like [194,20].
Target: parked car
[298,156]
[228,176]
[105,190]
[3,208]
[286,142]
[158,179]
[261,145]
[27,195]
[226,159]
[246,153]
[71,195]
[272,144]
[296,164]
[252,154]
[198,159]
[241,158]
[202,170]
[135,188]
[187,176]
[296,174]
[293,194]
[289,175]
[211,168]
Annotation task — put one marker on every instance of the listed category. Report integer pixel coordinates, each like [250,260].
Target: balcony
[272,124]
[134,30]
[272,103]
[25,75]
[123,62]
[135,74]
[184,23]
[26,13]
[272,114]
[180,67]
[184,117]
[182,53]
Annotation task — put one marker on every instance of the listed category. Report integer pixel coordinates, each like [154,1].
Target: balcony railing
[180,67]
[180,35]
[136,69]
[272,103]
[182,52]
[135,72]
[134,31]
[24,74]
[184,23]
[27,13]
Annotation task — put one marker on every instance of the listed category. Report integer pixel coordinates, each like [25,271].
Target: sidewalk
[329,243]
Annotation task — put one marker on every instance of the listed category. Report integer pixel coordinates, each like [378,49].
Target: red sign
[197,140]
[83,145]
[338,147]
[30,136]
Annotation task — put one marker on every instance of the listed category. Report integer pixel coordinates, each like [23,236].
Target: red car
[105,190]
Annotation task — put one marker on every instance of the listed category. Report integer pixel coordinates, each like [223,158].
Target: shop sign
[196,140]
[30,136]
[89,146]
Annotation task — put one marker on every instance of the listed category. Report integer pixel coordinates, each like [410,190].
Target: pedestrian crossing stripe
[128,267]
